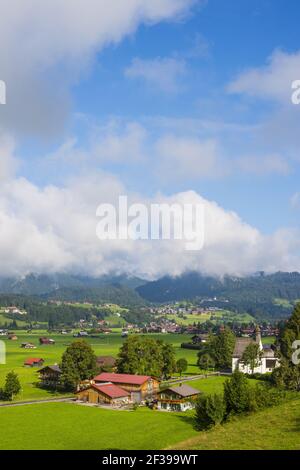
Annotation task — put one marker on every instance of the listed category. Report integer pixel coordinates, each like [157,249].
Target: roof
[122,378]
[55,368]
[268,353]
[240,346]
[33,360]
[184,390]
[109,390]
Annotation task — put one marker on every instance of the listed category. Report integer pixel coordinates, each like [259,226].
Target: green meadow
[221,315]
[69,426]
[80,427]
[102,345]
[275,428]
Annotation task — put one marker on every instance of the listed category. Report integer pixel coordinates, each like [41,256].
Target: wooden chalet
[50,376]
[105,393]
[139,386]
[180,398]
[28,346]
[46,341]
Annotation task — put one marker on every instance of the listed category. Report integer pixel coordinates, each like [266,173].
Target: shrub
[258,376]
[267,396]
[210,411]
[239,396]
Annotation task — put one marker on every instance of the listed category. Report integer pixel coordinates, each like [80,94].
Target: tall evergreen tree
[220,348]
[12,386]
[238,394]
[288,374]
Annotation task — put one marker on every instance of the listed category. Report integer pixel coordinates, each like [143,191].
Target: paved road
[37,402]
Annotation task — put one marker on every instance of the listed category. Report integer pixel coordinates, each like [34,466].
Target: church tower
[258,337]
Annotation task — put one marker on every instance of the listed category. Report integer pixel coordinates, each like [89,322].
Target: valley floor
[69,426]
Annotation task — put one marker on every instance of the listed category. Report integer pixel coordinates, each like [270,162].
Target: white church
[267,362]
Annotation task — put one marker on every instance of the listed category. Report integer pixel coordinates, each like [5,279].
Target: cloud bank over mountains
[53,229]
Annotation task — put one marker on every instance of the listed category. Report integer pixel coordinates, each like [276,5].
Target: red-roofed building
[106,393]
[34,362]
[139,386]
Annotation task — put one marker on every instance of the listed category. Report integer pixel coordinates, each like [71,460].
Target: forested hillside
[260,295]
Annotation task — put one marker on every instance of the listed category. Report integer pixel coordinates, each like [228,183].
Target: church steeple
[258,337]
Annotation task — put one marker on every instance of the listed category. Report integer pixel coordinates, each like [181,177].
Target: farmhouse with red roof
[106,393]
[139,386]
[34,362]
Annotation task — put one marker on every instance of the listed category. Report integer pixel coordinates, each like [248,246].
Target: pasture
[275,428]
[102,345]
[220,315]
[69,426]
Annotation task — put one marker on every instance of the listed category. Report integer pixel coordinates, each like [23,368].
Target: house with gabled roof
[50,376]
[34,362]
[177,398]
[140,387]
[105,393]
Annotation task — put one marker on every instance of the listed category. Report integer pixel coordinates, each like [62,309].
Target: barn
[106,393]
[34,362]
[140,387]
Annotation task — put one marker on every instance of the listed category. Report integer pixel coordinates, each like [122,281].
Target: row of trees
[217,352]
[239,397]
[138,355]
[288,374]
[146,356]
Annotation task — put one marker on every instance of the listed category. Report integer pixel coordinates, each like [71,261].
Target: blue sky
[231,36]
[192,98]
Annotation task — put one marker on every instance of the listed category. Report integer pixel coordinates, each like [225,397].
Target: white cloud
[271,81]
[116,142]
[45,46]
[164,73]
[54,229]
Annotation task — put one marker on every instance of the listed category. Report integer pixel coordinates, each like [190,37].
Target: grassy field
[72,426]
[55,425]
[276,428]
[103,345]
[5,319]
[222,315]
[208,385]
